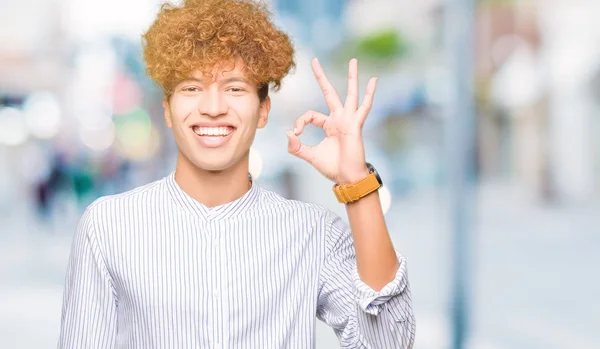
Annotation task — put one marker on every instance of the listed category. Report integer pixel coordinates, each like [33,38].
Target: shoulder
[334,230]
[135,199]
[273,202]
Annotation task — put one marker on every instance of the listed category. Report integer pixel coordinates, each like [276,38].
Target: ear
[167,108]
[263,112]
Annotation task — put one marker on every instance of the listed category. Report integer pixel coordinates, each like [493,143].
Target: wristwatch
[354,191]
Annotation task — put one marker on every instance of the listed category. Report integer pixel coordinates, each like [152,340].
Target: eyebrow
[224,81]
[235,79]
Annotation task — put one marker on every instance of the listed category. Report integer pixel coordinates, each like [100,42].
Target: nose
[213,103]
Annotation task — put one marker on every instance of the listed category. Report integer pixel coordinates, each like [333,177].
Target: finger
[352,96]
[331,97]
[367,102]
[295,147]
[310,117]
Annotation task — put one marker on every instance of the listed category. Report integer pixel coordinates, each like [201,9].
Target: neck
[212,188]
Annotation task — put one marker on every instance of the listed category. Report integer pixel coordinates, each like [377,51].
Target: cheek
[246,109]
[182,107]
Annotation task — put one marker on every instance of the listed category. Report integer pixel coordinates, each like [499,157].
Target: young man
[205,258]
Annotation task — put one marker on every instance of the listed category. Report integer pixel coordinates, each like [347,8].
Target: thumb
[295,147]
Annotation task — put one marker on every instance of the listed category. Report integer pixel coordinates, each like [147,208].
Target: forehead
[223,71]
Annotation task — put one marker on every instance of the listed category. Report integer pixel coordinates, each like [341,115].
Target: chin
[211,160]
[213,164]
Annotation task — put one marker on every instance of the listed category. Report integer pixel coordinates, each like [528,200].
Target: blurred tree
[382,48]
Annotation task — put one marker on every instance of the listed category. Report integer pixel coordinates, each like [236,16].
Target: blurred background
[485,131]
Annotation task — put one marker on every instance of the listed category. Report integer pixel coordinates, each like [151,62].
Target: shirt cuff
[371,301]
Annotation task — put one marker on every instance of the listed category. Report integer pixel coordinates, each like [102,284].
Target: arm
[89,311]
[375,256]
[364,293]
[360,316]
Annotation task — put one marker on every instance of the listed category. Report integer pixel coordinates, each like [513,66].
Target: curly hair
[203,34]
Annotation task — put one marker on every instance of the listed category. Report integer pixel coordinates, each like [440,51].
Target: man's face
[214,119]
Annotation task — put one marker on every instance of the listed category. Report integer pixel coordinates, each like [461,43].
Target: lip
[208,124]
[213,141]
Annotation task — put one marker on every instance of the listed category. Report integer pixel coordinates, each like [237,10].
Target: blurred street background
[511,266]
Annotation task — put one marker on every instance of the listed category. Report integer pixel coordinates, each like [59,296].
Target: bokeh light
[98,139]
[35,162]
[94,119]
[134,135]
[385,197]
[43,115]
[256,163]
[13,130]
[127,95]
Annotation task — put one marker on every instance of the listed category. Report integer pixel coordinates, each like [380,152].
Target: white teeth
[213,131]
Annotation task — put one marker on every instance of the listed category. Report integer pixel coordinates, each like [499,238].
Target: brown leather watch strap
[354,191]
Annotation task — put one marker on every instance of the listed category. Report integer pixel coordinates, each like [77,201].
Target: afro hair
[203,34]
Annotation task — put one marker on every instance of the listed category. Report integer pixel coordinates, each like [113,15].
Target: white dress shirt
[153,268]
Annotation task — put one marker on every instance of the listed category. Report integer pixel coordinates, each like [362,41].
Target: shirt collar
[239,206]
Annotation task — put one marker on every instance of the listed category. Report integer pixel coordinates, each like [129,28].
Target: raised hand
[340,156]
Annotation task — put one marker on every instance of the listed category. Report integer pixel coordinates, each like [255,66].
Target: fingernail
[295,131]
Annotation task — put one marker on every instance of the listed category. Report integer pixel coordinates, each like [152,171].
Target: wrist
[353,177]
[353,187]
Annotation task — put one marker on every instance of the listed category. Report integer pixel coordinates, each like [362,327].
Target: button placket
[216,290]
[206,279]
[223,286]
[215,281]
[204,334]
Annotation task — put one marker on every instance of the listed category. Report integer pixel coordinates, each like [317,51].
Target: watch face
[374,171]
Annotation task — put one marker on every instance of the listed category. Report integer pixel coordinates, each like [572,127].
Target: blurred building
[538,115]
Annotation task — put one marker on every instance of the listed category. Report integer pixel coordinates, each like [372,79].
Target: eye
[190,89]
[235,89]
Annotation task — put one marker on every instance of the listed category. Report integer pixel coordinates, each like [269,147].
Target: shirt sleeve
[360,316]
[89,317]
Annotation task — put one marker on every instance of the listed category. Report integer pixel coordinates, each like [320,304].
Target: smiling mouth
[213,136]
[221,131]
